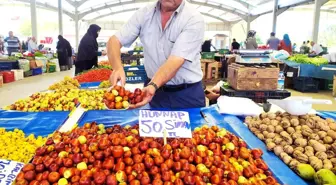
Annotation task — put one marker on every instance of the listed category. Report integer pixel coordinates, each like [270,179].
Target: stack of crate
[210,67]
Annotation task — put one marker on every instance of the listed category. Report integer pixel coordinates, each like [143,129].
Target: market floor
[11,92]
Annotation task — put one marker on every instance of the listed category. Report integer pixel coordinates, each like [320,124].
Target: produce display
[67,83]
[305,143]
[95,155]
[14,145]
[94,75]
[105,64]
[304,59]
[119,98]
[105,84]
[60,100]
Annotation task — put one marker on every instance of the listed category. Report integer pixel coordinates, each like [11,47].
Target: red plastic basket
[8,76]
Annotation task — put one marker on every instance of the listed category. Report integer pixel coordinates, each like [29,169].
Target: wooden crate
[203,67]
[212,70]
[252,78]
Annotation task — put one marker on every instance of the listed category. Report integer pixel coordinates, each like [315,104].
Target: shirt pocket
[167,48]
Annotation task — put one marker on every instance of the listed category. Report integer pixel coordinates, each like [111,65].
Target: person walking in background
[32,45]
[13,44]
[2,45]
[69,52]
[88,53]
[294,47]
[206,46]
[286,44]
[316,49]
[62,53]
[235,45]
[273,42]
[251,41]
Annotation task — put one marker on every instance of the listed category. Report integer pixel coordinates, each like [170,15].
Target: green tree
[327,37]
[25,28]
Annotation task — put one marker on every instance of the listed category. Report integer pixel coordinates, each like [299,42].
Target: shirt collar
[178,10]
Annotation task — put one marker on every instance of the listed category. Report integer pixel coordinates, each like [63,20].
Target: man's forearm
[168,70]
[113,52]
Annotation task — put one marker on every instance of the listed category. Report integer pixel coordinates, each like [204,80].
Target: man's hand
[118,75]
[104,53]
[148,93]
[212,96]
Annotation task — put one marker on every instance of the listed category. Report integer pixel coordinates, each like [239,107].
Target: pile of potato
[306,139]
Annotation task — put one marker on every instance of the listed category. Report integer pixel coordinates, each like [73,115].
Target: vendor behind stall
[172,32]
[251,41]
[316,49]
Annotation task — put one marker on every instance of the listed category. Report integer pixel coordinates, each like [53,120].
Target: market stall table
[211,117]
[310,70]
[7,65]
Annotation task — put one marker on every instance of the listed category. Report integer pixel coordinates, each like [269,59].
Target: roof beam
[102,7]
[134,9]
[47,6]
[283,9]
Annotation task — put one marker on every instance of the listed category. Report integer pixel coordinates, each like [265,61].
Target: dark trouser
[11,50]
[170,97]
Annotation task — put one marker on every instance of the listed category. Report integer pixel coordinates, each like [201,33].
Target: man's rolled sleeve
[131,30]
[188,43]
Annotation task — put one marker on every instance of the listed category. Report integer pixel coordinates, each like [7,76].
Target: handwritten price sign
[154,123]
[9,171]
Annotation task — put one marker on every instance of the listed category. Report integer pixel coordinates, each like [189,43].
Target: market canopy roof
[228,11]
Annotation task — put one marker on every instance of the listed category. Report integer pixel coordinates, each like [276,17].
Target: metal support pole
[248,22]
[230,36]
[275,9]
[33,18]
[316,21]
[60,17]
[76,28]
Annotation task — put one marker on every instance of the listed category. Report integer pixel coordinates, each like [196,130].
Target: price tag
[9,170]
[154,123]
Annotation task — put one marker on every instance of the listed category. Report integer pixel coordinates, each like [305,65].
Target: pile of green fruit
[322,177]
[304,59]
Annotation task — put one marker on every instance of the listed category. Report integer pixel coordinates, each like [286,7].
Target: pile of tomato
[95,75]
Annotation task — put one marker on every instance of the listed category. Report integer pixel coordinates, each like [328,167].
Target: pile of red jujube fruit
[94,155]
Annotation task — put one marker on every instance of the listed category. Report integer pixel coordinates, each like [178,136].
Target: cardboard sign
[8,171]
[154,123]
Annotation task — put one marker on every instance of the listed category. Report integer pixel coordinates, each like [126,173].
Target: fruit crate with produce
[305,143]
[93,154]
[94,75]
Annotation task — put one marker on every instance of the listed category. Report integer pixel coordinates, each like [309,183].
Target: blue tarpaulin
[89,85]
[310,70]
[327,114]
[233,124]
[38,123]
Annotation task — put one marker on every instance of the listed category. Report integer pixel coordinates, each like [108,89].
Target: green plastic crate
[224,51]
[208,55]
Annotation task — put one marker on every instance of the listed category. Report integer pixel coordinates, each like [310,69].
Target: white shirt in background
[317,49]
[32,46]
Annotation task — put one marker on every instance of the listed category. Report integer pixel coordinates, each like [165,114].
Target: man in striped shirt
[13,44]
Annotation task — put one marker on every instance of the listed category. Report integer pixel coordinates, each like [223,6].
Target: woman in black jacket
[88,53]
[62,54]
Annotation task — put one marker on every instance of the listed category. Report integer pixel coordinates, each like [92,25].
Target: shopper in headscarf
[88,53]
[286,44]
[251,42]
[62,53]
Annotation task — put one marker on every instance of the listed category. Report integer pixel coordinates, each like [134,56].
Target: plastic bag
[280,55]
[55,61]
[24,65]
[238,106]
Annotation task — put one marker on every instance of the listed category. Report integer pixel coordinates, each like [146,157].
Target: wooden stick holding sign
[164,136]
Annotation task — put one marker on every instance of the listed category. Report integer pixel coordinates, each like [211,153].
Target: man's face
[33,39]
[170,4]
[10,34]
[312,43]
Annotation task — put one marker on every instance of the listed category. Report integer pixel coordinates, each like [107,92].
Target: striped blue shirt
[12,43]
[182,37]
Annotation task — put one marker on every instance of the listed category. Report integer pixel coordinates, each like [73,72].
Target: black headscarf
[88,47]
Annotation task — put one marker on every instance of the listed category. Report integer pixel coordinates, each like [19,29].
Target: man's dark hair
[234,40]
[304,42]
[308,41]
[272,34]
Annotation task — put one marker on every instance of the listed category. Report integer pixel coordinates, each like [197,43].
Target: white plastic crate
[18,74]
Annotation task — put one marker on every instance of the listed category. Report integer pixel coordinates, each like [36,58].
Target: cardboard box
[32,64]
[1,80]
[253,78]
